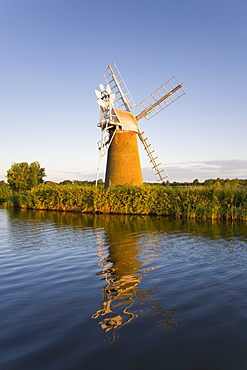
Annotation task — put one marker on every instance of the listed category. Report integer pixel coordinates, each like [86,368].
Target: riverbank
[191,202]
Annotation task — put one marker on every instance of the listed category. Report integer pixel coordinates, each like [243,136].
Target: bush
[5,193]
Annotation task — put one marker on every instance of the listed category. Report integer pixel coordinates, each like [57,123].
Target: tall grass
[190,202]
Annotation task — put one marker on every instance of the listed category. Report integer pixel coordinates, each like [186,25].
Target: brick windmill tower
[120,129]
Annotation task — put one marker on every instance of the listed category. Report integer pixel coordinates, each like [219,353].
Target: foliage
[191,202]
[5,193]
[66,182]
[22,176]
[208,183]
[89,183]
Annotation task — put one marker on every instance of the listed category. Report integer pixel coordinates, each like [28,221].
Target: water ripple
[163,291]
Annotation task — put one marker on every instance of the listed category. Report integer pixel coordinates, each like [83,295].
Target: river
[82,291]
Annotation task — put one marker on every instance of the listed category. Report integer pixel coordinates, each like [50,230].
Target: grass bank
[192,202]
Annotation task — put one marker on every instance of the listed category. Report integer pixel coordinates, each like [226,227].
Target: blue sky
[53,53]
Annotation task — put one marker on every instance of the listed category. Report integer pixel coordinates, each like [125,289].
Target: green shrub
[5,193]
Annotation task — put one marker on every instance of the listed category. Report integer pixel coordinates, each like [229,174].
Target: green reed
[190,202]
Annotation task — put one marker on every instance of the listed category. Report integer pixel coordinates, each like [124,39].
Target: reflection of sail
[122,299]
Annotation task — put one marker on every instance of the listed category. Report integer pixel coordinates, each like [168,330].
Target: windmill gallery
[119,127]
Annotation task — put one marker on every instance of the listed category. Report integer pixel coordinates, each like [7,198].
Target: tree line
[23,176]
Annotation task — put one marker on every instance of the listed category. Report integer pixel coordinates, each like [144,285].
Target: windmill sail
[159,171]
[114,79]
[160,99]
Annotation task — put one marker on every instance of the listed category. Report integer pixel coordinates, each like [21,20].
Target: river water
[95,292]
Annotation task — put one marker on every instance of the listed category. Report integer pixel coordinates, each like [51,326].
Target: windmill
[119,127]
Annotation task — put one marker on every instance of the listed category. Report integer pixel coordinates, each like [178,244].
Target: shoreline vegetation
[218,199]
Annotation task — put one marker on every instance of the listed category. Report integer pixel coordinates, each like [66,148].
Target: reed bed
[191,202]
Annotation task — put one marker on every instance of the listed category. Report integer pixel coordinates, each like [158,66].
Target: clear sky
[53,53]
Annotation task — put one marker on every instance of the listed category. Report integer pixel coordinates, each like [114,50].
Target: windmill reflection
[120,270]
[122,298]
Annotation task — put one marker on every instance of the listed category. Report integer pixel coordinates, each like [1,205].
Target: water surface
[126,292]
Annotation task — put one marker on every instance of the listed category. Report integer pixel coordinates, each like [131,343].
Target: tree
[22,176]
[195,182]
[66,182]
[3,183]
